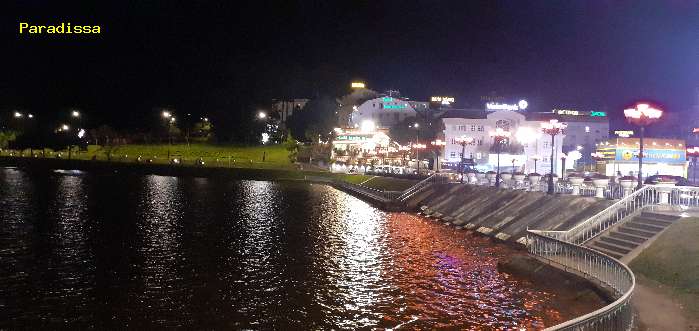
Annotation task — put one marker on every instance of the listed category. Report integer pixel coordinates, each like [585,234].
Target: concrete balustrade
[575,182]
[534,182]
[491,178]
[627,185]
[600,184]
[479,178]
[664,189]
[471,178]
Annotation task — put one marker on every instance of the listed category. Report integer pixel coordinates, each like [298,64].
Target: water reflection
[158,252]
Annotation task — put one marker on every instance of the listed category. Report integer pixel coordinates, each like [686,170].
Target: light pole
[463,141]
[438,144]
[536,159]
[552,128]
[693,152]
[169,119]
[642,115]
[563,165]
[416,126]
[417,148]
[500,136]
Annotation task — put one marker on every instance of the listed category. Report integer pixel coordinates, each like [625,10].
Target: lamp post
[416,126]
[169,119]
[642,115]
[693,152]
[563,165]
[417,148]
[438,144]
[552,128]
[536,158]
[500,136]
[463,141]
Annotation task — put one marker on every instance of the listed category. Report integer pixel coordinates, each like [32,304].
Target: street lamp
[552,128]
[463,141]
[642,115]
[563,165]
[438,144]
[693,152]
[417,148]
[416,126]
[18,114]
[536,158]
[75,114]
[261,115]
[500,136]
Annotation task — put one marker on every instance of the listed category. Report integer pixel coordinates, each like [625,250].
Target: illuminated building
[584,130]
[528,143]
[386,111]
[661,156]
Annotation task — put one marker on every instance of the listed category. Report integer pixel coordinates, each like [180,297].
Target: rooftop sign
[443,100]
[358,85]
[624,133]
[573,112]
[521,105]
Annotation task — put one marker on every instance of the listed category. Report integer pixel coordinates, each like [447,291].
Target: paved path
[656,309]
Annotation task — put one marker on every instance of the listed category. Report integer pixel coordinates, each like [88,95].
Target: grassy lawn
[390,183]
[227,156]
[673,261]
[276,157]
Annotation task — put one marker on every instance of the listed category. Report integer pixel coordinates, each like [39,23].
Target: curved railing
[604,270]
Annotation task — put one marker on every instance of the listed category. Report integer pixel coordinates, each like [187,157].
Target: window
[546,144]
[480,128]
[480,141]
[461,155]
[503,124]
[473,127]
[381,105]
[470,156]
[479,156]
[587,129]
[452,154]
[373,105]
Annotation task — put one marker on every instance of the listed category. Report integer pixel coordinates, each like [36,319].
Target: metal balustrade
[597,267]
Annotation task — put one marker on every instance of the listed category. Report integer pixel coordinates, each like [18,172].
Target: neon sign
[598,113]
[358,85]
[521,105]
[443,100]
[624,133]
[387,99]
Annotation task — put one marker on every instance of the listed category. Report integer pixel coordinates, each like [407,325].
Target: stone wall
[502,213]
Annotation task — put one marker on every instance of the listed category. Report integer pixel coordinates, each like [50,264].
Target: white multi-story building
[385,111]
[535,154]
[585,130]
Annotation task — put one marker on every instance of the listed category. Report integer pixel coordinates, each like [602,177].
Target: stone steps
[629,237]
[619,242]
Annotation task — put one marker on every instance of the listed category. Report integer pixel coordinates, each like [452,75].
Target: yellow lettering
[96,29]
[33,29]
[50,29]
[23,26]
[78,29]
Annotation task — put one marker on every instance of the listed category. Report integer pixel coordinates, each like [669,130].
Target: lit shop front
[661,157]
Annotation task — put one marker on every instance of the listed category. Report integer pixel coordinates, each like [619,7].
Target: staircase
[625,240]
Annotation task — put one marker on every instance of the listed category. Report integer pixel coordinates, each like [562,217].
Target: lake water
[107,250]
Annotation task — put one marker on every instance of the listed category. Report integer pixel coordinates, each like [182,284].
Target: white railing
[611,215]
[435,178]
[597,267]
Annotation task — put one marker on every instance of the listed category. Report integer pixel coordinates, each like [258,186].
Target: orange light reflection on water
[449,279]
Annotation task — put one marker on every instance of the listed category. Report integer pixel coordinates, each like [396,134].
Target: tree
[292,146]
[316,119]
[6,137]
[203,130]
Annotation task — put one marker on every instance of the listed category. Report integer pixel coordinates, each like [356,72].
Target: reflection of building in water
[661,156]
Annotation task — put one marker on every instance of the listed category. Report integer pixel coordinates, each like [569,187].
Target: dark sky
[229,57]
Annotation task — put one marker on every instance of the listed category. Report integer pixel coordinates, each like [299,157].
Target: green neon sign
[598,113]
[387,99]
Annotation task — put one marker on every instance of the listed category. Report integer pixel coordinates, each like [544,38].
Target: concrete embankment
[504,214]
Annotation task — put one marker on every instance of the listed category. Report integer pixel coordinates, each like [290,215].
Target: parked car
[679,181]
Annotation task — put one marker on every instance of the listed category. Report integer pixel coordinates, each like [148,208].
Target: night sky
[231,58]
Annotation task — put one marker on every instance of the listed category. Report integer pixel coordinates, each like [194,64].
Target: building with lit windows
[530,147]
[385,111]
[585,130]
